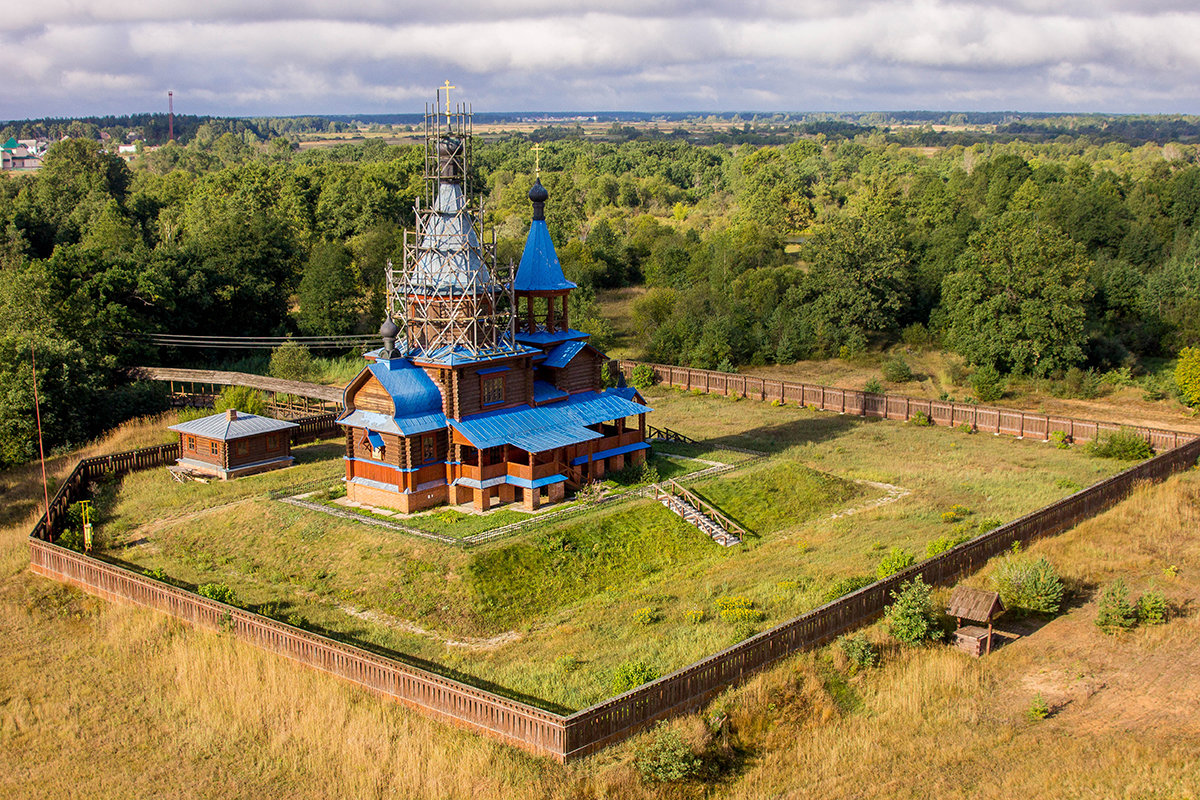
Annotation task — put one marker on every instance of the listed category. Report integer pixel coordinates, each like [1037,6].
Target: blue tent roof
[450,254]
[539,269]
[546,427]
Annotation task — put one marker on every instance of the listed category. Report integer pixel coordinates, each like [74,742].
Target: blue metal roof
[401,426]
[615,451]
[546,427]
[220,427]
[375,439]
[413,392]
[539,269]
[542,338]
[561,355]
[457,356]
[545,392]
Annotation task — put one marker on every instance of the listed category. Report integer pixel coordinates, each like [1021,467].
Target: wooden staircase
[695,510]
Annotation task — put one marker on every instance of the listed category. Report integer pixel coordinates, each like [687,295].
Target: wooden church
[482,391]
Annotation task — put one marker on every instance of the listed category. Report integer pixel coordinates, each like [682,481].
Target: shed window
[428,449]
[493,389]
[241,447]
[190,443]
[213,447]
[273,441]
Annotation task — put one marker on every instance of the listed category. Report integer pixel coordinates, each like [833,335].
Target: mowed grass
[551,612]
[103,700]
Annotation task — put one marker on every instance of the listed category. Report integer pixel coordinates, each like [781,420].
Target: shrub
[642,376]
[631,674]
[1152,608]
[740,615]
[988,523]
[776,403]
[943,543]
[645,616]
[961,510]
[291,361]
[787,586]
[987,384]
[157,574]
[966,427]
[696,615]
[219,592]
[915,335]
[897,370]
[895,560]
[950,516]
[1038,709]
[1025,585]
[725,365]
[666,759]
[1116,612]
[1124,445]
[743,631]
[873,386]
[242,398]
[910,616]
[844,586]
[72,539]
[733,602]
[1187,375]
[920,419]
[1060,439]
[858,651]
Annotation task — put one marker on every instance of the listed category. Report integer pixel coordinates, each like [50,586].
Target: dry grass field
[98,700]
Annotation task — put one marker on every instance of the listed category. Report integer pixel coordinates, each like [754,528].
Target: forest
[1029,252]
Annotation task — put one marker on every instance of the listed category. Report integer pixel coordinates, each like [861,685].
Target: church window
[428,449]
[493,390]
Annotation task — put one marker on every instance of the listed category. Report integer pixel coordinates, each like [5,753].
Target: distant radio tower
[170,116]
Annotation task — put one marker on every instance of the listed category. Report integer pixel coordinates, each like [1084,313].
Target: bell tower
[541,289]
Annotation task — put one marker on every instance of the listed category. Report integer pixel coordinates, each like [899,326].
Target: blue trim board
[491,370]
[539,483]
[616,451]
[382,464]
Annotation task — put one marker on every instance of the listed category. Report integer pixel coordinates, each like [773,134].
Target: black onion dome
[389,329]
[538,193]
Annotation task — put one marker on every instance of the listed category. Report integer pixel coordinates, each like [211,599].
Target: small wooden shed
[974,605]
[232,444]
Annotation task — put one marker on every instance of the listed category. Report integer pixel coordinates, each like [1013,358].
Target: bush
[987,384]
[733,602]
[1026,585]
[910,616]
[607,378]
[897,370]
[219,592]
[1060,439]
[1124,445]
[920,419]
[696,615]
[844,586]
[645,616]
[1152,608]
[873,386]
[157,574]
[858,651]
[632,674]
[642,376]
[1039,709]
[895,560]
[1187,375]
[1116,612]
[291,361]
[72,539]
[666,759]
[242,398]
[740,615]
[950,516]
[943,543]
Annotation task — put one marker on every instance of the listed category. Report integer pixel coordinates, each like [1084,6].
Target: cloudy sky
[250,57]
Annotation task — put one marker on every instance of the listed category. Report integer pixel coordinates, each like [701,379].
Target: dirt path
[138,535]
[892,494]
[467,642]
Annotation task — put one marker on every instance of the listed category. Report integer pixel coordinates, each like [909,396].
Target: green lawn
[552,611]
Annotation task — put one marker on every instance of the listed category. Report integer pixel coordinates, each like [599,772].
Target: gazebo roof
[977,605]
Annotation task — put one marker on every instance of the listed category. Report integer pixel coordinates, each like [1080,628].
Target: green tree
[1016,301]
[327,291]
[910,616]
[1187,375]
[291,361]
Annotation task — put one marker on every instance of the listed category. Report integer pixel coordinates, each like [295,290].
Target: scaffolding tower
[450,297]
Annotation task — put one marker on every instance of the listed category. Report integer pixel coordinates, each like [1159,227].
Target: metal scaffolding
[450,297]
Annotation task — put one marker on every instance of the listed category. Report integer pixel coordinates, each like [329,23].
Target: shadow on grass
[355,638]
[777,438]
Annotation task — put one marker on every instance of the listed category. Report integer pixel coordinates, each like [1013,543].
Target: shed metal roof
[221,428]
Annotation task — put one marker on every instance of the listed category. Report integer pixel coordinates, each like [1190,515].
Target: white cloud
[304,56]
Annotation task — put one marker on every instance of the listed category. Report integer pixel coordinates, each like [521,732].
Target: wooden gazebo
[974,605]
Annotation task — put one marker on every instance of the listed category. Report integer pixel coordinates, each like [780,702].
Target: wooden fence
[991,419]
[518,723]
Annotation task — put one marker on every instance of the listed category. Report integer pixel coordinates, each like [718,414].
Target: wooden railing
[991,419]
[522,724]
[206,377]
[668,435]
[714,514]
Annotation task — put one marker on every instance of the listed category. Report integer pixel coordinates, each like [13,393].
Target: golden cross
[448,88]
[537,160]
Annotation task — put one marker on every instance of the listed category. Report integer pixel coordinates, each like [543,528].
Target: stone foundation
[404,503]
